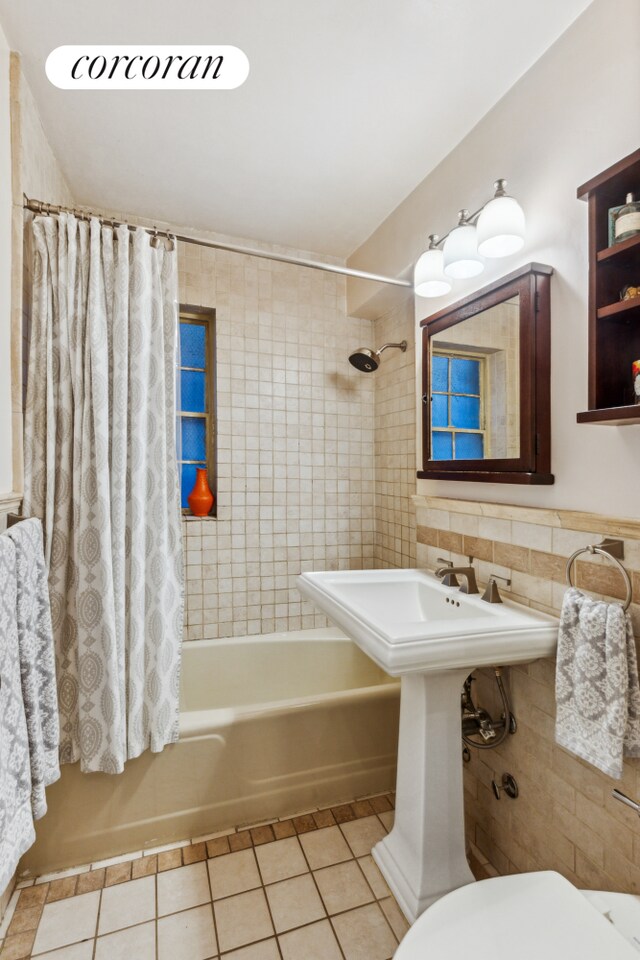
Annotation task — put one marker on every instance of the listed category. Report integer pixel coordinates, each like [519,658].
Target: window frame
[481,396]
[203,317]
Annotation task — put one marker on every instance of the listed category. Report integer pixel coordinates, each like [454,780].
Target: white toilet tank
[529,916]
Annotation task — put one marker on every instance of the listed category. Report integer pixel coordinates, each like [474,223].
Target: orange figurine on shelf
[200,499]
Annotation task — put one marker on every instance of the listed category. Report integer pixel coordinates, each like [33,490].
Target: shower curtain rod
[47,209]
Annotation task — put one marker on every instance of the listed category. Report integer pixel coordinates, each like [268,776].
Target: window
[457,429]
[197,400]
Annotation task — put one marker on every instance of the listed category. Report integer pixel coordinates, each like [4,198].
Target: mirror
[486,384]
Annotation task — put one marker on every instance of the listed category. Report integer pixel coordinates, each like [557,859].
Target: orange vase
[200,499]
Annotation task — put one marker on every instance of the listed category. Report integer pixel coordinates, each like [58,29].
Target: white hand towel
[597,689]
[37,660]
[16,821]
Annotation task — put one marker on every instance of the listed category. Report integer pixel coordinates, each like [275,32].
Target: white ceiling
[348,106]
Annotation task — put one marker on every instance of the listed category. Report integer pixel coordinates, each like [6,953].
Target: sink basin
[407,621]
[431,636]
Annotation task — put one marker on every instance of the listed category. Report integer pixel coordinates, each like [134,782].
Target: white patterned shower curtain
[101,472]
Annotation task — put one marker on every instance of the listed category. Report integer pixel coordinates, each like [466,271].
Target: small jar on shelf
[627,220]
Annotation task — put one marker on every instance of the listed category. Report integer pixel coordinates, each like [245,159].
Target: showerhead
[369,360]
[365,360]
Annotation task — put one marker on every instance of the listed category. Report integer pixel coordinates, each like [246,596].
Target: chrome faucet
[448,574]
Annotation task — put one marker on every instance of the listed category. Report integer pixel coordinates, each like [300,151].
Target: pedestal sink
[432,637]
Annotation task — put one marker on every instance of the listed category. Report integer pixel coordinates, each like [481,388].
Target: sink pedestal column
[424,856]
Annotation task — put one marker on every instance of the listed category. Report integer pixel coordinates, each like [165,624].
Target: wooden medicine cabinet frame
[531,284]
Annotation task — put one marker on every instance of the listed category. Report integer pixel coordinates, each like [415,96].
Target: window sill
[189,517]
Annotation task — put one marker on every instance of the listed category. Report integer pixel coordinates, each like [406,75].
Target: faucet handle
[491,593]
[447,579]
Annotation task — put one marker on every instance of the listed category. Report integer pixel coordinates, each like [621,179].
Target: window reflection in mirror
[475,386]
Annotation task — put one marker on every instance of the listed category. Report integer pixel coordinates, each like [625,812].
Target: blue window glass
[192,345]
[465,376]
[187,481]
[192,391]
[469,446]
[465,412]
[439,374]
[194,439]
[441,445]
[439,410]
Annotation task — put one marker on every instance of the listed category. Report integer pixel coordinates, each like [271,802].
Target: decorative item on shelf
[200,499]
[613,213]
[627,220]
[495,230]
[629,292]
[635,367]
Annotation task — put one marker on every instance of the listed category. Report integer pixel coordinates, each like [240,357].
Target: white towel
[37,660]
[16,820]
[597,689]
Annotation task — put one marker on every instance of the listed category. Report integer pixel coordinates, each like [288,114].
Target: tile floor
[305,888]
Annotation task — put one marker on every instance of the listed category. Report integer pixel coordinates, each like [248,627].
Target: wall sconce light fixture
[497,229]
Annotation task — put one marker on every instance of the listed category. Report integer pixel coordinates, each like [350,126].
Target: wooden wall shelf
[614,324]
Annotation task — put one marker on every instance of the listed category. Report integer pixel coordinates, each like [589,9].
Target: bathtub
[269,726]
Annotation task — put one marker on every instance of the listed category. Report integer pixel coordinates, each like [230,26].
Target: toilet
[528,916]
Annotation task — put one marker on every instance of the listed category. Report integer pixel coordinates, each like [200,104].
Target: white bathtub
[269,726]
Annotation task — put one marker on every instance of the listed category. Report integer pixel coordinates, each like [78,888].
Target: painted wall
[574,113]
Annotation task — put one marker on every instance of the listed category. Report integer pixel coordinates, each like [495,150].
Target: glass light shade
[428,278]
[460,254]
[501,228]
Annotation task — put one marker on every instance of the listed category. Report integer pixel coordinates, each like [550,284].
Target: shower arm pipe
[47,209]
[400,346]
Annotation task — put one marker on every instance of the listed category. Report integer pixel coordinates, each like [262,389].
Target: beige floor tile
[387,818]
[374,878]
[77,951]
[324,847]
[363,834]
[67,921]
[134,943]
[397,920]
[294,902]
[188,935]
[343,887]
[266,950]
[182,888]
[315,942]
[127,904]
[233,873]
[242,919]
[364,934]
[281,860]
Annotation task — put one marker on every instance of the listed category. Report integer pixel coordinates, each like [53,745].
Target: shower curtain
[101,473]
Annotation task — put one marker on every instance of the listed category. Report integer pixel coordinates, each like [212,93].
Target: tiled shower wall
[295,439]
[565,818]
[395,435]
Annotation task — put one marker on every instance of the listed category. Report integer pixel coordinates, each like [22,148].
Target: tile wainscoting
[565,818]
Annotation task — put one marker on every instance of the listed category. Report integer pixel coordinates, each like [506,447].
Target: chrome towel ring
[604,550]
